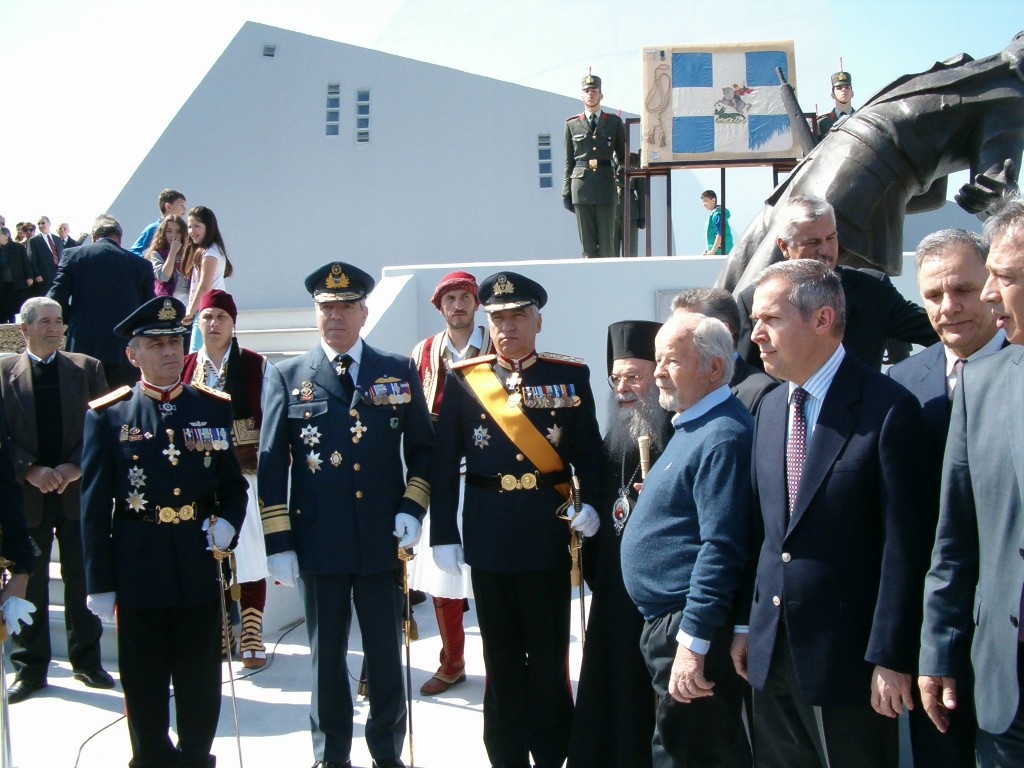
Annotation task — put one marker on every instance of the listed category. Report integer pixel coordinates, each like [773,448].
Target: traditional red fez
[219,299]
[454,281]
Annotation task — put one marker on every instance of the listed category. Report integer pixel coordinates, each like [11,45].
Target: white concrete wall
[450,173]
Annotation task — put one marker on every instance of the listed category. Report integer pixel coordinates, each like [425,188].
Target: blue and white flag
[717,103]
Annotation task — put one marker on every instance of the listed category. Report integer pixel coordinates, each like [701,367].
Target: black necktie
[341,366]
[593,122]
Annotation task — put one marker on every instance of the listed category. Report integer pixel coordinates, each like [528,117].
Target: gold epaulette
[555,357]
[110,397]
[474,361]
[211,391]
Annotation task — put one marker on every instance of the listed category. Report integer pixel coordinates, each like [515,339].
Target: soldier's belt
[164,515]
[593,164]
[526,482]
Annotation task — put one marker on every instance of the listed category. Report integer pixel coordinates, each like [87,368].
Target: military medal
[168,407]
[137,501]
[170,451]
[310,435]
[313,461]
[554,435]
[307,391]
[137,477]
[514,400]
[513,381]
[481,439]
[335,459]
[357,431]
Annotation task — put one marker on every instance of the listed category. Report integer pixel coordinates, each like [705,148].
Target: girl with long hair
[205,262]
[166,252]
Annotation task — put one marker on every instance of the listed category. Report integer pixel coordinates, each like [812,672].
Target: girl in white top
[206,262]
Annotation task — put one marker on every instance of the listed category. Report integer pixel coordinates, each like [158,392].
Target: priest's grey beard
[625,425]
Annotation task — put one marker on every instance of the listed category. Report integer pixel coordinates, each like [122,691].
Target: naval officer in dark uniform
[338,422]
[590,188]
[160,487]
[522,420]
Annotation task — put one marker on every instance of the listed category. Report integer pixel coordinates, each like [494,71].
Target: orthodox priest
[614,719]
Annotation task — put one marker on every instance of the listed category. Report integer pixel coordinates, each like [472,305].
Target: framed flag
[717,104]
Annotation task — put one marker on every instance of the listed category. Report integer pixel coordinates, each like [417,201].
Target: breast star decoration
[313,461]
[310,435]
[481,438]
[555,435]
[137,477]
[137,501]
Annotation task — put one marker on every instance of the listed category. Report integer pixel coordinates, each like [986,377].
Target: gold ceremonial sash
[513,422]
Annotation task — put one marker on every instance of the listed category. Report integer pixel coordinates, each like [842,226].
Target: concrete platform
[67,724]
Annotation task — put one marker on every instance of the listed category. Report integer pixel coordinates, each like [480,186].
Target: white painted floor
[67,725]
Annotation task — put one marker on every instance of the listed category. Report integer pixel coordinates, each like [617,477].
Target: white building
[310,150]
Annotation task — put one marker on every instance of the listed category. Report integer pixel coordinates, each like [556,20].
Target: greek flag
[729,102]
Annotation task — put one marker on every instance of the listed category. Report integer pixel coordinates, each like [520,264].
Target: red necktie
[796,446]
[53,250]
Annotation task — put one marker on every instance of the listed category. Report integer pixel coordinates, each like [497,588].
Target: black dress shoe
[22,689]
[96,678]
[394,763]
[331,764]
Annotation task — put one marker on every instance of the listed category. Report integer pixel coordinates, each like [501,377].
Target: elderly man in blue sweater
[686,547]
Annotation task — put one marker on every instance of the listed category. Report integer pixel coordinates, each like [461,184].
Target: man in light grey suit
[977,572]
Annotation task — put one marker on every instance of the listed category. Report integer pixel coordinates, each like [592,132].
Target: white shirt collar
[356,351]
[39,359]
[476,339]
[818,382]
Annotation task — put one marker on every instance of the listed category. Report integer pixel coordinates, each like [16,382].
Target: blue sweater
[685,544]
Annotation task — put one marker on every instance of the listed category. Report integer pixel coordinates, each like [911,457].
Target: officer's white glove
[220,534]
[587,521]
[407,529]
[284,568]
[16,611]
[449,558]
[102,604]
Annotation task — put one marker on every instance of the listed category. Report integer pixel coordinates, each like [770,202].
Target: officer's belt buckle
[593,164]
[172,515]
[527,482]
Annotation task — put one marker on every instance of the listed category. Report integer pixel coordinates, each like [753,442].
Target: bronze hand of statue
[988,189]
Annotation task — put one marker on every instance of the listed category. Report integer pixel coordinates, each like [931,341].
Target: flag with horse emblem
[717,104]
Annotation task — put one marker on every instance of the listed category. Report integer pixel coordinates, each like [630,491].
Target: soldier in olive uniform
[590,188]
[842,96]
[349,426]
[522,420]
[160,487]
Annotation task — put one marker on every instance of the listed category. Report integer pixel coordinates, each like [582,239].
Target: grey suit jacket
[980,512]
[81,380]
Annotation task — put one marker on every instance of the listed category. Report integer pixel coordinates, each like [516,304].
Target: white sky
[88,87]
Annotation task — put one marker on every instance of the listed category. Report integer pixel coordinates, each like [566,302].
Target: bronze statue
[894,155]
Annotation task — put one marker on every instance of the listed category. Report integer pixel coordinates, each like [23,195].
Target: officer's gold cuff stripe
[418,490]
[275,519]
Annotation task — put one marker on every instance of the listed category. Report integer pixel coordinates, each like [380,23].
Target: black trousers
[31,647]
[791,733]
[953,749]
[524,626]
[707,732]
[328,601]
[158,647]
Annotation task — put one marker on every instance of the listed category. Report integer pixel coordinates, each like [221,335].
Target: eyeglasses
[628,378]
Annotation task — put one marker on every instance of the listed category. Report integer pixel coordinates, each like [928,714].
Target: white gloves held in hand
[407,530]
[586,522]
[284,568]
[16,611]
[220,534]
[102,604]
[449,558]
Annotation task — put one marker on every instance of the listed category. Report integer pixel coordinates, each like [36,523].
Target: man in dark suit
[339,422]
[951,274]
[748,383]
[593,140]
[972,605]
[46,393]
[875,310]
[519,419]
[161,489]
[98,285]
[841,483]
[64,235]
[44,251]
